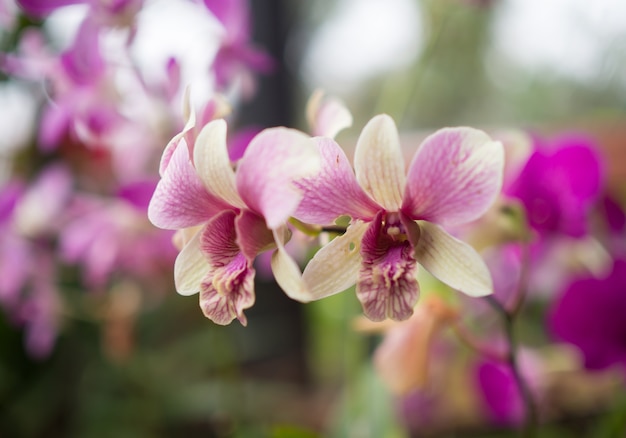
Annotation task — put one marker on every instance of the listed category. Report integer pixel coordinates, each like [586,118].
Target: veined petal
[379,163]
[180,199]
[210,156]
[228,291]
[454,177]
[190,267]
[326,115]
[286,271]
[387,285]
[335,267]
[228,287]
[253,236]
[190,123]
[334,191]
[274,160]
[453,262]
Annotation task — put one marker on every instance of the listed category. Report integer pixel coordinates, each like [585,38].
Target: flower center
[393,227]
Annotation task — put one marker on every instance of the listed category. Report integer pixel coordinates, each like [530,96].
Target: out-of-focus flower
[327,115]
[28,221]
[111,236]
[590,314]
[500,393]
[237,58]
[242,213]
[559,184]
[397,217]
[402,359]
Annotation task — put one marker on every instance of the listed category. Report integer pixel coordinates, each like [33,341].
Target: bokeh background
[94,340]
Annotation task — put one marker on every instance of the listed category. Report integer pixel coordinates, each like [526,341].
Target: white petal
[335,267]
[453,262]
[191,267]
[379,164]
[286,271]
[210,156]
[327,115]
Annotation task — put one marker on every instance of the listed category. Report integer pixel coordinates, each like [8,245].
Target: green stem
[530,424]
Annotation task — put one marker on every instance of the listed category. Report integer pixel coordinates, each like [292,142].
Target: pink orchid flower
[397,217]
[240,213]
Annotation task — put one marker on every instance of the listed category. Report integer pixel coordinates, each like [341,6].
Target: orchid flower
[397,217]
[240,213]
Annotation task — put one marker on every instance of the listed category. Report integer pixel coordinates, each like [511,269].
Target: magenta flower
[240,213]
[559,185]
[397,217]
[108,236]
[28,218]
[590,314]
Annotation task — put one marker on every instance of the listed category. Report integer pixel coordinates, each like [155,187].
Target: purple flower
[559,184]
[590,314]
[107,236]
[28,218]
[236,56]
[500,393]
[397,215]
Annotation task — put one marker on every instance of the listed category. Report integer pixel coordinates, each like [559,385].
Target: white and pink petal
[190,267]
[335,267]
[334,191]
[454,177]
[452,261]
[180,199]
[379,164]
[274,160]
[327,115]
[212,163]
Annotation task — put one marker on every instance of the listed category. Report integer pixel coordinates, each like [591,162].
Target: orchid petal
[454,177]
[222,307]
[253,237]
[190,267]
[272,163]
[286,271]
[387,285]
[212,163]
[379,163]
[327,116]
[453,262]
[335,267]
[334,191]
[228,287]
[180,199]
[190,123]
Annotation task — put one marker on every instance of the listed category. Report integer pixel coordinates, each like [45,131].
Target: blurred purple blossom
[590,314]
[559,184]
[111,236]
[237,59]
[28,219]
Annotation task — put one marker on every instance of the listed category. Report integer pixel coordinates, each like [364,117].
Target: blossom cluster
[75,197]
[228,212]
